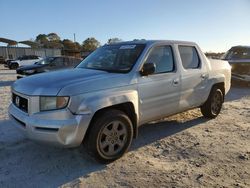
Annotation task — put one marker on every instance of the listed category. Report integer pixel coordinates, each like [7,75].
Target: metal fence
[15,52]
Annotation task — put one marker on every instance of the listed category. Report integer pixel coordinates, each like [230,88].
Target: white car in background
[23,61]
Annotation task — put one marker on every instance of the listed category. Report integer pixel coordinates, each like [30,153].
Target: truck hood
[69,82]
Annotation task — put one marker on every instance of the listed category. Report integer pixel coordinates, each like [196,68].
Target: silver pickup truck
[102,102]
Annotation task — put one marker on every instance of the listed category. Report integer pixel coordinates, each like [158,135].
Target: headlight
[53,103]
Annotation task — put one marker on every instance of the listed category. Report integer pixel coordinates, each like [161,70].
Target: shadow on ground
[34,164]
[236,93]
[150,133]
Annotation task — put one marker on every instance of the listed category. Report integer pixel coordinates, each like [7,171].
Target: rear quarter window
[189,57]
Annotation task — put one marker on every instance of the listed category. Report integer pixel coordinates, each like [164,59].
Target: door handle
[175,81]
[203,76]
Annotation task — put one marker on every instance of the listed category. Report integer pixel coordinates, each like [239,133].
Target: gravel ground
[184,150]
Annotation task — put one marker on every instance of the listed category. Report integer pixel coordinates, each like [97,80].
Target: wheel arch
[221,86]
[126,107]
[14,63]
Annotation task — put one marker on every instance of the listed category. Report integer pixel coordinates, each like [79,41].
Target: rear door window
[189,57]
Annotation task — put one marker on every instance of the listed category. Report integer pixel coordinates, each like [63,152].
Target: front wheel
[212,107]
[110,136]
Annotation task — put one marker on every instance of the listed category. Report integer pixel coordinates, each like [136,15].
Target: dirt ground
[185,150]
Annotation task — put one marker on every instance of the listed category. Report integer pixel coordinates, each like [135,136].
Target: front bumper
[58,127]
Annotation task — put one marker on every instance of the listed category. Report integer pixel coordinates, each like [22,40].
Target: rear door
[194,77]
[160,92]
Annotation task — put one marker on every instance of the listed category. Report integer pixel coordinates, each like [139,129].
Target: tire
[110,136]
[212,107]
[14,66]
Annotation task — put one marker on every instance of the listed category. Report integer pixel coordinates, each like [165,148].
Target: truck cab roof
[149,42]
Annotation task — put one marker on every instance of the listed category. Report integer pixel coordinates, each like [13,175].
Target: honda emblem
[17,101]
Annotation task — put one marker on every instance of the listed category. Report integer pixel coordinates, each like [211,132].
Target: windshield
[45,61]
[113,58]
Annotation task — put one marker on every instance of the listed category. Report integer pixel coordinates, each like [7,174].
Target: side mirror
[147,69]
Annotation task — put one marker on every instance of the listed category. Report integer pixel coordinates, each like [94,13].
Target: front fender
[90,103]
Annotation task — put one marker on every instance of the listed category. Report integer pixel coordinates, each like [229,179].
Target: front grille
[20,102]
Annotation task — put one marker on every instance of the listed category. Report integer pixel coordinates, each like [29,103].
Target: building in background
[12,51]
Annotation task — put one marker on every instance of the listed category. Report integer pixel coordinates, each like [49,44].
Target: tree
[139,39]
[69,45]
[90,44]
[52,40]
[53,44]
[53,37]
[42,39]
[114,40]
[78,46]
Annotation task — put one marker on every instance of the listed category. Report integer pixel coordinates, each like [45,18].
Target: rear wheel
[212,107]
[14,66]
[110,136]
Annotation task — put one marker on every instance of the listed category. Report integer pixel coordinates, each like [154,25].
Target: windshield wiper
[115,71]
[107,70]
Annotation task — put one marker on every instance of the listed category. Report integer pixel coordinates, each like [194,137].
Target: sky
[215,25]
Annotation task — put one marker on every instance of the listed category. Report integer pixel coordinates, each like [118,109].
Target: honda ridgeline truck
[119,87]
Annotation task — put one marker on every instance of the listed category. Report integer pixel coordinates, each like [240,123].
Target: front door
[160,92]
